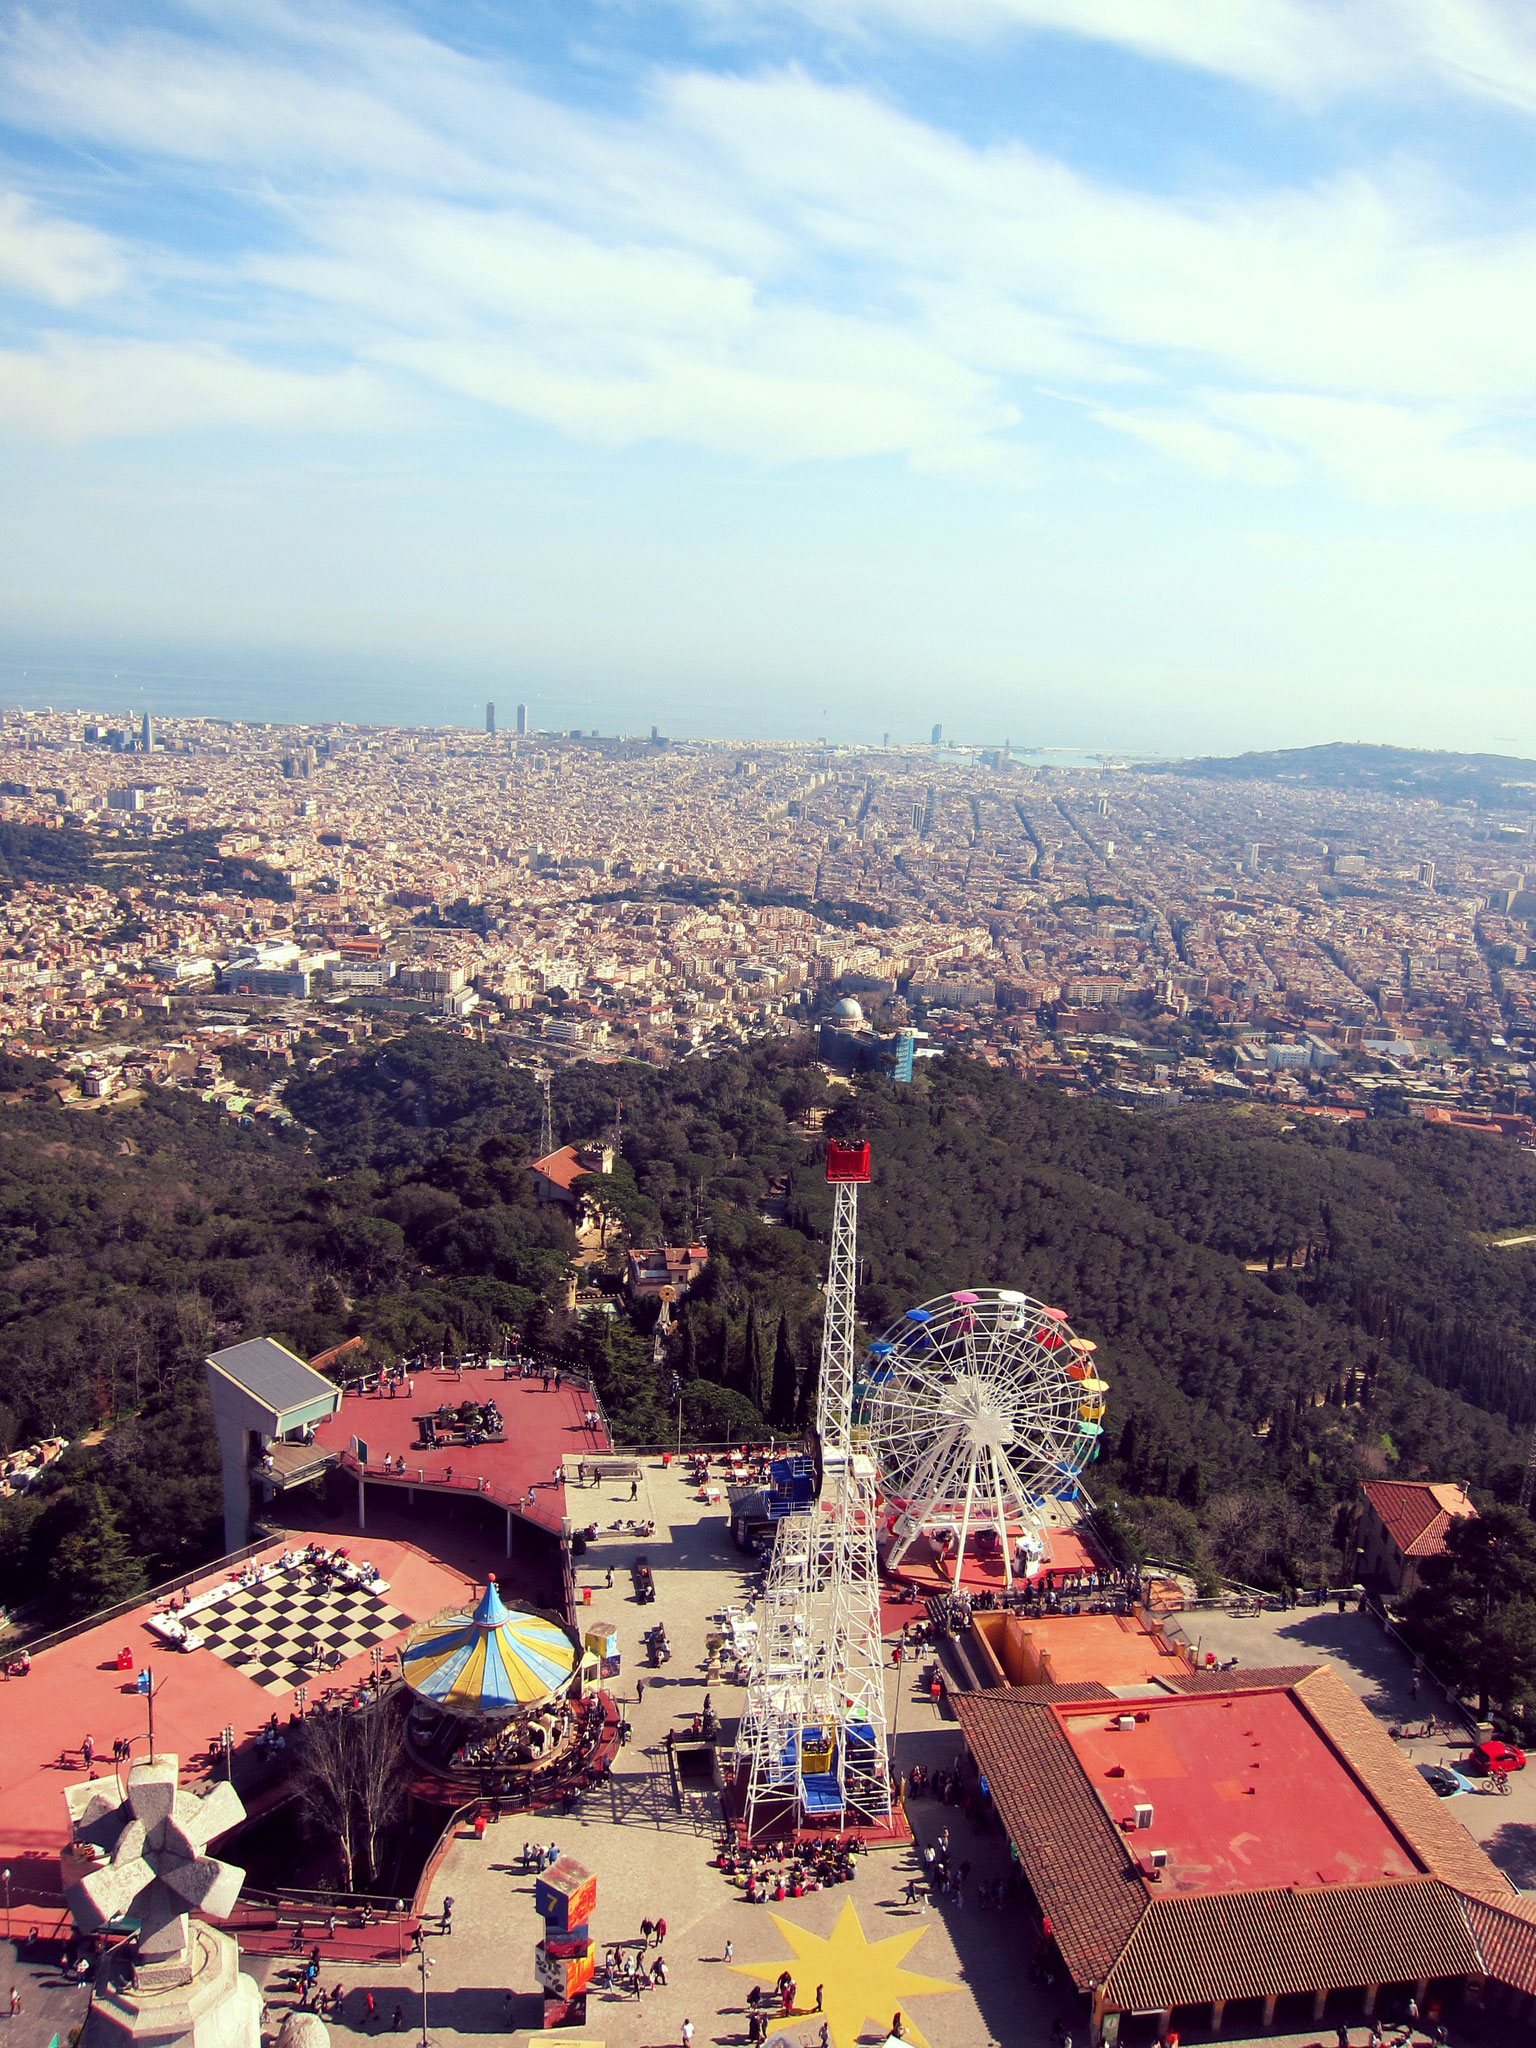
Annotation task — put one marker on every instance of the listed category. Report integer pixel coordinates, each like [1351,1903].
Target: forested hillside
[1245,1405]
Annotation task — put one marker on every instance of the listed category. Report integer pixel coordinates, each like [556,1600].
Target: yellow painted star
[861,1980]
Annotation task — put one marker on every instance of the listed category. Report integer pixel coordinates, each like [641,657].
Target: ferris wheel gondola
[981,1408]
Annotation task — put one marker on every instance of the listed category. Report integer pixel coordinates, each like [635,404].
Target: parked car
[1442,1780]
[1495,1756]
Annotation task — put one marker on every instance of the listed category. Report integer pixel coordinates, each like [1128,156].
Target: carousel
[498,1705]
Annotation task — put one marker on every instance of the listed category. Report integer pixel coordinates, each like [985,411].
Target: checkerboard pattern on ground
[283,1633]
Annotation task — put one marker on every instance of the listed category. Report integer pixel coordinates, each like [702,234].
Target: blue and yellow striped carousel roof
[491,1661]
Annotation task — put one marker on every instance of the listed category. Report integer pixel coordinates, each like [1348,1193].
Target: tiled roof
[1073,1854]
[1416,1514]
[1262,1678]
[1437,1839]
[1263,1944]
[1505,1930]
[560,1168]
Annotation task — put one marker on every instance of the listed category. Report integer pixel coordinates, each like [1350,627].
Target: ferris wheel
[980,1408]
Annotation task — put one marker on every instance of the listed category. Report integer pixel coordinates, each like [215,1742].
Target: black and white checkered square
[292,1630]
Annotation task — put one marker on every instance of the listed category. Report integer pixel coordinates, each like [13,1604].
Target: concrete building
[676,1266]
[264,1403]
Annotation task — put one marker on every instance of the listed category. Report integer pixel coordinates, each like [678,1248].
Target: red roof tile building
[555,1175]
[1242,1850]
[1403,1521]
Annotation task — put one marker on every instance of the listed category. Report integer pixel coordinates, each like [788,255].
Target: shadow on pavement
[1513,1848]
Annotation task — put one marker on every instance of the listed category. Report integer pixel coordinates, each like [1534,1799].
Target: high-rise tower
[490,719]
[522,721]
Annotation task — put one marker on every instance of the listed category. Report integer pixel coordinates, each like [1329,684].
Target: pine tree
[781,1402]
[93,1564]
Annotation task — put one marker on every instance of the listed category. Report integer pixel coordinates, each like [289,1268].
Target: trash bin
[666,1458]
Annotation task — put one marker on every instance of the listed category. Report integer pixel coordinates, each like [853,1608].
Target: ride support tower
[813,1733]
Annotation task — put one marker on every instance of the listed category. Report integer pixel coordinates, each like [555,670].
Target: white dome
[848,1011]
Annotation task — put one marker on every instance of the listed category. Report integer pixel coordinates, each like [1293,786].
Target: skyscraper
[938,734]
[522,720]
[490,718]
[147,734]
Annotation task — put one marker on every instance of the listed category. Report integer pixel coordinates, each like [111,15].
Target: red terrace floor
[77,1689]
[543,1428]
[1221,1772]
[1070,1552]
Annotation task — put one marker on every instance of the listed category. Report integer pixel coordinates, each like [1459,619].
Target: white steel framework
[813,1730]
[982,1407]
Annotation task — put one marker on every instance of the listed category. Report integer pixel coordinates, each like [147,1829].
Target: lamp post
[6,1874]
[425,1966]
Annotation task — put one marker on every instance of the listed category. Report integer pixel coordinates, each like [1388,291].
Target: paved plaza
[960,1978]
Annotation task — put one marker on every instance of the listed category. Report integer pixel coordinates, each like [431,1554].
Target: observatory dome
[847,1011]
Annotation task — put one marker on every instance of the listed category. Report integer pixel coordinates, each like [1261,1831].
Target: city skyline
[1133,381]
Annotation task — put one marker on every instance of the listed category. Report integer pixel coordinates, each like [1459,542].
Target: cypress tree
[754,1372]
[781,1401]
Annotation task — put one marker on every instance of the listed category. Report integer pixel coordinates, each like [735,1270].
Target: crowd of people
[790,1868]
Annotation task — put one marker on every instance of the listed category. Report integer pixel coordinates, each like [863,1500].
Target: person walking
[818,1998]
[397,2020]
[730,1950]
[447,1926]
[647,1927]
[639,1690]
[659,1972]
[687,2034]
[15,2001]
[368,2012]
[661,1932]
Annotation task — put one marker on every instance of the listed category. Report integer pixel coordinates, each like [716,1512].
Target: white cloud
[73,391]
[59,261]
[772,268]
[1305,50]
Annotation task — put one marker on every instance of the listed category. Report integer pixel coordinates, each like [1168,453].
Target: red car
[1496,1756]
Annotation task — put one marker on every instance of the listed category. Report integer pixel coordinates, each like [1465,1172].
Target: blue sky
[1137,373]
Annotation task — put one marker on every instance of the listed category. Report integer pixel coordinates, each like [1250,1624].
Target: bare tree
[379,1779]
[325,1786]
[352,1782]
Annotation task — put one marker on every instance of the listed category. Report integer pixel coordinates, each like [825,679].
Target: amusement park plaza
[1294,1873]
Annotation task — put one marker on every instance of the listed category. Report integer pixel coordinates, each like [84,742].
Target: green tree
[754,1374]
[781,1401]
[1475,1607]
[93,1565]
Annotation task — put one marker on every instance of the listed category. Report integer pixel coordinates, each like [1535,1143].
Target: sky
[1153,375]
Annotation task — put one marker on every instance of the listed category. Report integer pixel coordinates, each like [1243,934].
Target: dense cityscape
[1130,930]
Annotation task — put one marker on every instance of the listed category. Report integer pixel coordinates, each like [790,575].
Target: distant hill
[1488,779]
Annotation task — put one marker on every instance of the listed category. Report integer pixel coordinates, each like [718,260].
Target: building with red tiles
[1403,1521]
[555,1175]
[1237,1851]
